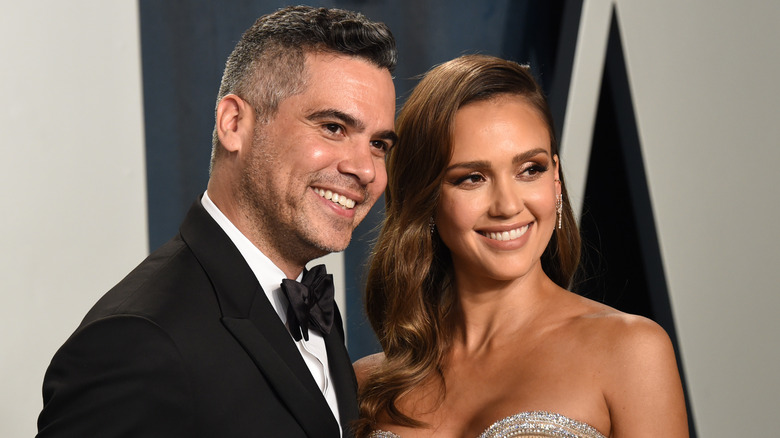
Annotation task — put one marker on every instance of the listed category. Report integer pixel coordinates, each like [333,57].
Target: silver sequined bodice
[528,424]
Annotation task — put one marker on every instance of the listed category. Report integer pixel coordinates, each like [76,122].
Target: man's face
[317,167]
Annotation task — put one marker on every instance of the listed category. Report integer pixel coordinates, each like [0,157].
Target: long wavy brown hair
[409,294]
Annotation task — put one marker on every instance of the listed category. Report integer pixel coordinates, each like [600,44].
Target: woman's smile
[503,236]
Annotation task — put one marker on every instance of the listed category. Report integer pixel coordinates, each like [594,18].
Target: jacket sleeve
[118,376]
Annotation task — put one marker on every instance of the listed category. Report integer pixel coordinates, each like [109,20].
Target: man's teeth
[342,200]
[507,235]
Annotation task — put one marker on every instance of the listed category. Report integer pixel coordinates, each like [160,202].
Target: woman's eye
[473,178]
[533,170]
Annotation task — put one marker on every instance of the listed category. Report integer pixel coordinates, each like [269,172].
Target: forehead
[333,76]
[504,124]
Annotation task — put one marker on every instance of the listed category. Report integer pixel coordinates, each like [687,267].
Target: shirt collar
[268,274]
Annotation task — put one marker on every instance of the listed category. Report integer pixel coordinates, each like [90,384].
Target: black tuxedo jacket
[188,345]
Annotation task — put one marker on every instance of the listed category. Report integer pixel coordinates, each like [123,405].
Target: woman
[467,289]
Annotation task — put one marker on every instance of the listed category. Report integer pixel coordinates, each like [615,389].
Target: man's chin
[332,246]
[325,236]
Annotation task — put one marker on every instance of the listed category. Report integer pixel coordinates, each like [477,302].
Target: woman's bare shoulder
[634,361]
[623,336]
[366,365]
[639,376]
[619,327]
[623,342]
[637,341]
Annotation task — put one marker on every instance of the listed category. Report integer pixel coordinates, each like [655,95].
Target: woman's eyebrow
[480,164]
[469,165]
[519,158]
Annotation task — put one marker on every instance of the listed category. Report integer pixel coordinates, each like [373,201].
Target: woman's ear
[235,123]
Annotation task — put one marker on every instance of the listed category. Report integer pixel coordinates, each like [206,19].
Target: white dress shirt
[270,277]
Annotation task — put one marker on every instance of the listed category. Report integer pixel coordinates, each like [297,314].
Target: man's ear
[235,123]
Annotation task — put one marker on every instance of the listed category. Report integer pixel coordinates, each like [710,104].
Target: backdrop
[666,114]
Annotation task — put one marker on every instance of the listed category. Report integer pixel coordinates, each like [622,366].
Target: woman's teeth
[507,235]
[342,200]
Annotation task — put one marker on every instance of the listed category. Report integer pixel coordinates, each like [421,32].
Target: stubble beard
[276,225]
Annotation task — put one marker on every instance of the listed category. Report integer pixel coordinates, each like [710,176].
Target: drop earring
[431,225]
[559,208]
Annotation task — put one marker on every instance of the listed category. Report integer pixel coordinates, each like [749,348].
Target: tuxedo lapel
[250,318]
[343,375]
[306,407]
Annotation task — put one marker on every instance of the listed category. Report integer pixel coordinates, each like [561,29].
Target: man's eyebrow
[390,136]
[339,115]
[351,122]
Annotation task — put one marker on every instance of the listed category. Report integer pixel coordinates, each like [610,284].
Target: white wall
[73,216]
[705,82]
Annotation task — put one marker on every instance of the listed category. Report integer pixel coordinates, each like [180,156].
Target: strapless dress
[537,424]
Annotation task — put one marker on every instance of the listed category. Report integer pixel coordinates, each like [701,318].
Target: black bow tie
[309,302]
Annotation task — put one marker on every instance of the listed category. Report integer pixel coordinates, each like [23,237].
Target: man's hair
[267,65]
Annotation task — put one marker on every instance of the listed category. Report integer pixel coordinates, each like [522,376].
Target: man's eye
[333,128]
[381,145]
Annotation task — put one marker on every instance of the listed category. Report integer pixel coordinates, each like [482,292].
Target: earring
[432,225]
[559,208]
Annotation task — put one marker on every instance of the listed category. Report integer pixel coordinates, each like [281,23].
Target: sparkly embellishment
[542,424]
[528,424]
[382,434]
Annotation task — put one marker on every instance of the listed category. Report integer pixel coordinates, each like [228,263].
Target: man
[200,339]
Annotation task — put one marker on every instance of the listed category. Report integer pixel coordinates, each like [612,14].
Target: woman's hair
[409,288]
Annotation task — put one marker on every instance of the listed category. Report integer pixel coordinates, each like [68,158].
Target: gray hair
[267,64]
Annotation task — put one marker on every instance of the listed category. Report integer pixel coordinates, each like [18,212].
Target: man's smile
[336,198]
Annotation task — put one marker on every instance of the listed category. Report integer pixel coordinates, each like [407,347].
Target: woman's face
[496,212]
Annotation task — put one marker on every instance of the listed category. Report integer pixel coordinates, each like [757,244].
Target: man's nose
[359,161]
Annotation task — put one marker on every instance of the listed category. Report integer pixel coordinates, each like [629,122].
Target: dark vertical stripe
[544,35]
[184,46]
[622,254]
[558,91]
[175,111]
[361,340]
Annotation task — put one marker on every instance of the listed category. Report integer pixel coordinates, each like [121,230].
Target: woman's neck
[489,310]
